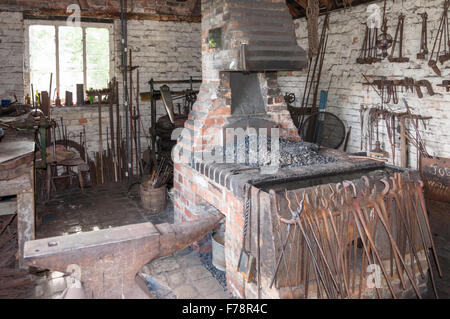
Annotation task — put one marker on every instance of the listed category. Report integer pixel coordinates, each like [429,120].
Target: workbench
[17,179]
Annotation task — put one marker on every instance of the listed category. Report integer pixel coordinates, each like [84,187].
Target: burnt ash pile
[256,151]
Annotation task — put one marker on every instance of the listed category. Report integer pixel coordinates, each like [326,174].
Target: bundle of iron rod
[162,174]
[110,165]
[341,234]
[313,78]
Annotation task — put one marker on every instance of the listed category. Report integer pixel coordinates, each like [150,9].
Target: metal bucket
[218,250]
[435,173]
[154,199]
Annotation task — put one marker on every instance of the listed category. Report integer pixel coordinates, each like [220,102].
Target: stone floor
[181,275]
[184,274]
[97,208]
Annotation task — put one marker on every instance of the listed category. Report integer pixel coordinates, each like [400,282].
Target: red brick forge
[193,189]
[200,184]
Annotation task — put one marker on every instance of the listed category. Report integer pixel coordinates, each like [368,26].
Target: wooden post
[25,217]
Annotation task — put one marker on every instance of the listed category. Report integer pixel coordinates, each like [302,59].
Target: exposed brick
[83,120]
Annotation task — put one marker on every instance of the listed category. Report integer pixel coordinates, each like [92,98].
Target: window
[74,55]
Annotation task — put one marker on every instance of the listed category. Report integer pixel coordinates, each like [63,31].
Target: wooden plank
[12,150]
[15,186]
[8,207]
[327,3]
[83,4]
[26,228]
[302,3]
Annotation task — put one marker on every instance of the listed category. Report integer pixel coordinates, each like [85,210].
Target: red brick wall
[191,190]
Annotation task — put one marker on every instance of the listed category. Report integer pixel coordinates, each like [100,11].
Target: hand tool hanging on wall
[445,84]
[424,37]
[435,53]
[446,40]
[369,50]
[398,39]
[427,85]
[390,119]
[384,40]
[373,49]
[363,55]
[388,89]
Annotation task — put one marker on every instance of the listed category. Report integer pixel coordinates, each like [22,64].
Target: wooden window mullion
[84,61]
[58,78]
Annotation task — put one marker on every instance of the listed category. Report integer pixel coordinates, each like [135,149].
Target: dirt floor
[186,274]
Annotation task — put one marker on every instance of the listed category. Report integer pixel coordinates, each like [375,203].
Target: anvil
[108,260]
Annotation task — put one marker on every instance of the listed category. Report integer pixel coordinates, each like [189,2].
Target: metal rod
[124,29]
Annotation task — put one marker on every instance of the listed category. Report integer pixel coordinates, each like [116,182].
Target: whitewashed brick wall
[347,92]
[163,51]
[11,55]
[172,50]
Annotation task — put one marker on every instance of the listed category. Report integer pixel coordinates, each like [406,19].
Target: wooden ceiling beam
[327,3]
[302,3]
[83,4]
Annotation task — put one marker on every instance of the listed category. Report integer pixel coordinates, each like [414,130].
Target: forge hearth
[244,43]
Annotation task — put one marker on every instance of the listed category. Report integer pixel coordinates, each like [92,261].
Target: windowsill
[84,107]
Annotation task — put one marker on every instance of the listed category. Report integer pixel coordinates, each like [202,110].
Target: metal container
[154,199]
[218,250]
[435,173]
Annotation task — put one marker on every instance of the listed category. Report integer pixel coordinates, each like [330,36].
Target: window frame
[57,24]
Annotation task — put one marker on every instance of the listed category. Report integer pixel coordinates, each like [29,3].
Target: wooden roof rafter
[298,7]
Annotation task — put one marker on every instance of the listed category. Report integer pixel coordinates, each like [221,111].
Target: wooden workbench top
[16,155]
[11,150]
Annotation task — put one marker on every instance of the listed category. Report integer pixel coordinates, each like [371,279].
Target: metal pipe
[124,29]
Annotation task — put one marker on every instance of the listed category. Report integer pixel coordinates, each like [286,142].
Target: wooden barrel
[154,199]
